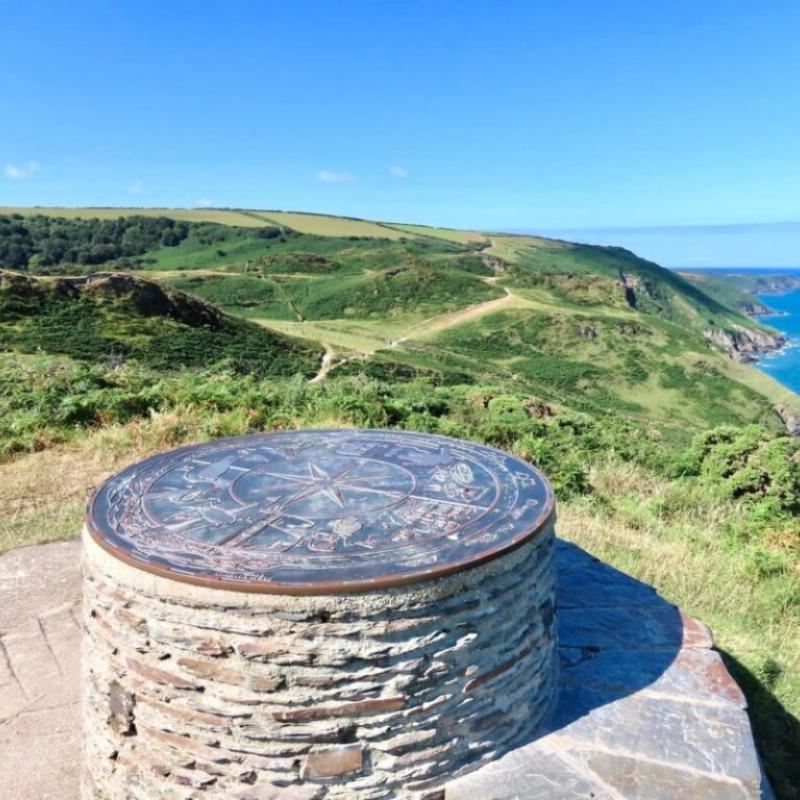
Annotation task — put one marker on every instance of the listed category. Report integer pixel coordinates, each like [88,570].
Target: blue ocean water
[784,366]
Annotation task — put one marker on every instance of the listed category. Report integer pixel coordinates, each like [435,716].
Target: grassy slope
[120,318]
[570,331]
[250,296]
[572,337]
[721,289]
[584,273]
[760,281]
[647,365]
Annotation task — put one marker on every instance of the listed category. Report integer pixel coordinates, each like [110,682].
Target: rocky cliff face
[755,309]
[776,284]
[151,299]
[744,344]
[632,286]
[790,419]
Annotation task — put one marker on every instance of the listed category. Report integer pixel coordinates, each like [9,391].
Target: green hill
[109,318]
[741,289]
[591,328]
[125,331]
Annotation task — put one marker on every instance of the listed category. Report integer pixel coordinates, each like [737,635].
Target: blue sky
[502,115]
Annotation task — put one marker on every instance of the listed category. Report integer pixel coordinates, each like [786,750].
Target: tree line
[45,244]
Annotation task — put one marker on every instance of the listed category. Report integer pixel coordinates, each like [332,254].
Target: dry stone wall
[192,692]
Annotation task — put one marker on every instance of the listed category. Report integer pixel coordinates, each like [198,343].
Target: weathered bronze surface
[305,512]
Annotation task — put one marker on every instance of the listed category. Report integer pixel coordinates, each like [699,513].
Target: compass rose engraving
[330,485]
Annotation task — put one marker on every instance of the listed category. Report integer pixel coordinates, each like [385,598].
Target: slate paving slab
[697,674]
[640,778]
[647,710]
[39,669]
[705,737]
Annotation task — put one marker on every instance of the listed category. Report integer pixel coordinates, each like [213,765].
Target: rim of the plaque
[355,586]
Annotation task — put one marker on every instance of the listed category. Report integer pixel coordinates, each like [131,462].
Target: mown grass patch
[449,234]
[322,225]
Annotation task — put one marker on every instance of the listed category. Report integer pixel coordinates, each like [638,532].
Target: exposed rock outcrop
[756,309]
[151,299]
[632,286]
[494,263]
[790,419]
[745,344]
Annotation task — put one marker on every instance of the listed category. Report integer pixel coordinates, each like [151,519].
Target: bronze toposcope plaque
[313,512]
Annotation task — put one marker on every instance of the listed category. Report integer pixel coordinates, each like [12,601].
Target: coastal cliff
[744,344]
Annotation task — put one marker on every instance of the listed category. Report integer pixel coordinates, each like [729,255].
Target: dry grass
[43,495]
[449,234]
[323,225]
[673,543]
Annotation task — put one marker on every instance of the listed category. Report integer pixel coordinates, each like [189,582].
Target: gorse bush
[760,470]
[40,395]
[47,400]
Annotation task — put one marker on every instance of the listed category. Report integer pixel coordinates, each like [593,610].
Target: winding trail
[325,367]
[434,324]
[445,321]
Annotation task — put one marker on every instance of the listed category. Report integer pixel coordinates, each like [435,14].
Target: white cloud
[334,177]
[398,172]
[203,203]
[18,172]
[136,187]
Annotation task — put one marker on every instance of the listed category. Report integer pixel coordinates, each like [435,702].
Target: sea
[784,365]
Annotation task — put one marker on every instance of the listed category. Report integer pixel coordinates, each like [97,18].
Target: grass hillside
[113,318]
[593,328]
[728,290]
[741,289]
[123,332]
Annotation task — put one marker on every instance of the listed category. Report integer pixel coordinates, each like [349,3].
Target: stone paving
[39,668]
[647,708]
[647,711]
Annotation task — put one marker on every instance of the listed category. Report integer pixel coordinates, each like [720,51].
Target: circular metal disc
[318,512]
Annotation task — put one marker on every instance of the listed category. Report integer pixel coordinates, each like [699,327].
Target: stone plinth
[315,615]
